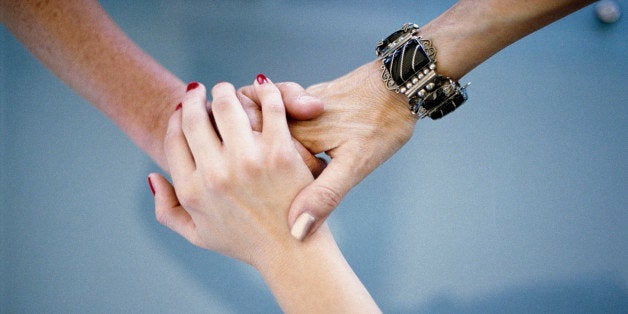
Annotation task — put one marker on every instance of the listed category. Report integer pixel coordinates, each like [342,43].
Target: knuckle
[220,102]
[328,197]
[223,95]
[222,88]
[164,217]
[192,122]
[220,183]
[275,107]
[188,196]
[251,166]
[281,156]
[288,86]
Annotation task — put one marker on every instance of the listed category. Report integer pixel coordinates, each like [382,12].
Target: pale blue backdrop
[517,202]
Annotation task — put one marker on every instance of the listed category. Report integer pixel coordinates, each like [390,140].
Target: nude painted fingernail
[302,226]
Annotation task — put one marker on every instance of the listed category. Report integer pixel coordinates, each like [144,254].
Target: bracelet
[409,68]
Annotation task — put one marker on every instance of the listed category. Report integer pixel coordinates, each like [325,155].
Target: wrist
[286,252]
[313,276]
[409,67]
[289,267]
[398,103]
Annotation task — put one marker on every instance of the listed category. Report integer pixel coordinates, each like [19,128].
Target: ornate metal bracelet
[409,67]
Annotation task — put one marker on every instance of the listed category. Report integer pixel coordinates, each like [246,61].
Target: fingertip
[222,88]
[165,198]
[150,184]
[274,120]
[261,79]
[157,184]
[194,88]
[319,198]
[191,86]
[303,106]
[312,107]
[302,226]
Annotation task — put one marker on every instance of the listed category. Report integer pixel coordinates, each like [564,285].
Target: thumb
[315,164]
[317,200]
[300,105]
[169,211]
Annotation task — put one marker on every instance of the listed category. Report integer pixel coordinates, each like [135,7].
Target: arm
[82,46]
[364,123]
[470,32]
[235,195]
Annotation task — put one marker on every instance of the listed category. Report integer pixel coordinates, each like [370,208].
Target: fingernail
[192,86]
[179,106]
[150,184]
[302,226]
[261,79]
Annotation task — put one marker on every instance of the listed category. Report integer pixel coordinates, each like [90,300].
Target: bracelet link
[409,68]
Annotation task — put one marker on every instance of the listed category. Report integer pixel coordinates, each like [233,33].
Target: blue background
[517,202]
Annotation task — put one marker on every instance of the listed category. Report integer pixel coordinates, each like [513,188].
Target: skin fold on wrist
[385,96]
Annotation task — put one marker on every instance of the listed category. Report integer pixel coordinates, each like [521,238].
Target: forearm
[472,31]
[313,277]
[81,45]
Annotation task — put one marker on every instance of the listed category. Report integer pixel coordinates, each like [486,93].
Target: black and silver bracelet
[409,68]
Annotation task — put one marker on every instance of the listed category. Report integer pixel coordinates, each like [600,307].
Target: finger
[274,122]
[299,104]
[178,154]
[169,212]
[252,110]
[315,164]
[316,201]
[231,119]
[199,133]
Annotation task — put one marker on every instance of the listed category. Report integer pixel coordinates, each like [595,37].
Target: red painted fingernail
[261,79]
[150,183]
[192,86]
[179,106]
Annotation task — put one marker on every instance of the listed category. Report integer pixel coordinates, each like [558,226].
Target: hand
[299,106]
[362,126]
[234,194]
[236,186]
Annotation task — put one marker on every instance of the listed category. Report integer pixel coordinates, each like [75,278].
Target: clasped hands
[244,161]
